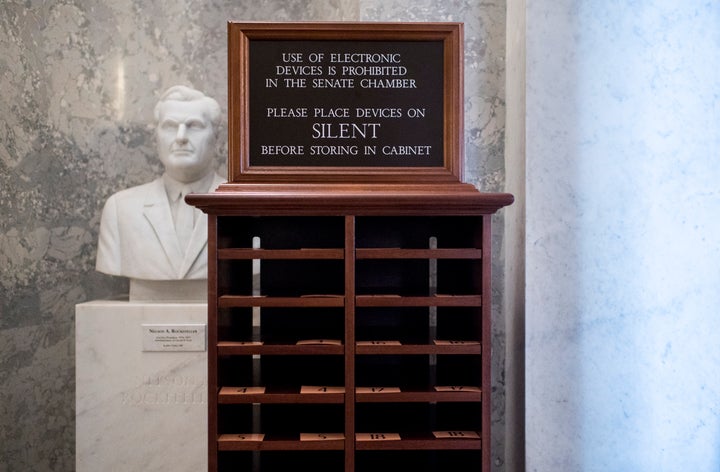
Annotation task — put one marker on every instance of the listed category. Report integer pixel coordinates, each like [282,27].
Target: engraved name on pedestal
[166,388]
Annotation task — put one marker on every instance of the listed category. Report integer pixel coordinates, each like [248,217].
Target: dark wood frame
[240,36]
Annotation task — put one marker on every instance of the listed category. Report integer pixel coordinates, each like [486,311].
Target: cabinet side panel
[212,343]
[486,290]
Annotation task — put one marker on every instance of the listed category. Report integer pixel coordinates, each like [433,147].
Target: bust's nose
[181,135]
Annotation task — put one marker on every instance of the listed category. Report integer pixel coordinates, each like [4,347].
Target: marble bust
[148,233]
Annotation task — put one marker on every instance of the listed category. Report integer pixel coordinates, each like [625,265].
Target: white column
[622,344]
[514,280]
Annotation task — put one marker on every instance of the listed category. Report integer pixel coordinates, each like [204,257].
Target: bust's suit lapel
[157,211]
[198,241]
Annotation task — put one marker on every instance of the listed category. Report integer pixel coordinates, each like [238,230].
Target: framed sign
[345,102]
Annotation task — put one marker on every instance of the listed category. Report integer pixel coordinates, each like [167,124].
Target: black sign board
[348,102]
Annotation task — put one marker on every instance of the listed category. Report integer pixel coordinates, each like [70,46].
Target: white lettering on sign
[320,131]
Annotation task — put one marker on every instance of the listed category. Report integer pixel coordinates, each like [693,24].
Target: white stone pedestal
[138,410]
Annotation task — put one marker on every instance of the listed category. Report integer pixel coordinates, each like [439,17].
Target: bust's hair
[186,94]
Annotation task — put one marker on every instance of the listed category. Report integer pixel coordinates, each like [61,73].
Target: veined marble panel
[136,409]
[79,80]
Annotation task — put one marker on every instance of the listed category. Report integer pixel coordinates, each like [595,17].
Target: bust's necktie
[184,222]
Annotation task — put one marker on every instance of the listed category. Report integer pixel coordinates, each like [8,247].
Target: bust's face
[185,140]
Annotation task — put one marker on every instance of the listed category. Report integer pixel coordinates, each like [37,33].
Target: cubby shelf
[419,442]
[403,301]
[418,349]
[288,254]
[310,289]
[419,397]
[230,348]
[396,253]
[236,442]
[238,301]
[235,395]
[231,395]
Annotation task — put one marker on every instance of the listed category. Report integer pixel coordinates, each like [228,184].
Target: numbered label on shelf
[378,390]
[319,342]
[377,437]
[249,437]
[439,342]
[456,434]
[379,343]
[321,389]
[248,390]
[321,436]
[457,388]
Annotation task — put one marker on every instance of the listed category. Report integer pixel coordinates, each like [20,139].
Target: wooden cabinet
[349,330]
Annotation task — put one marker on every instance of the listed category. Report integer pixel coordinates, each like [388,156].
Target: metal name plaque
[174,337]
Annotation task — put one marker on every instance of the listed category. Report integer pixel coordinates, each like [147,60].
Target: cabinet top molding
[461,199]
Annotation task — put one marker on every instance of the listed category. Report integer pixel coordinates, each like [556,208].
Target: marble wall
[623,236]
[78,81]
